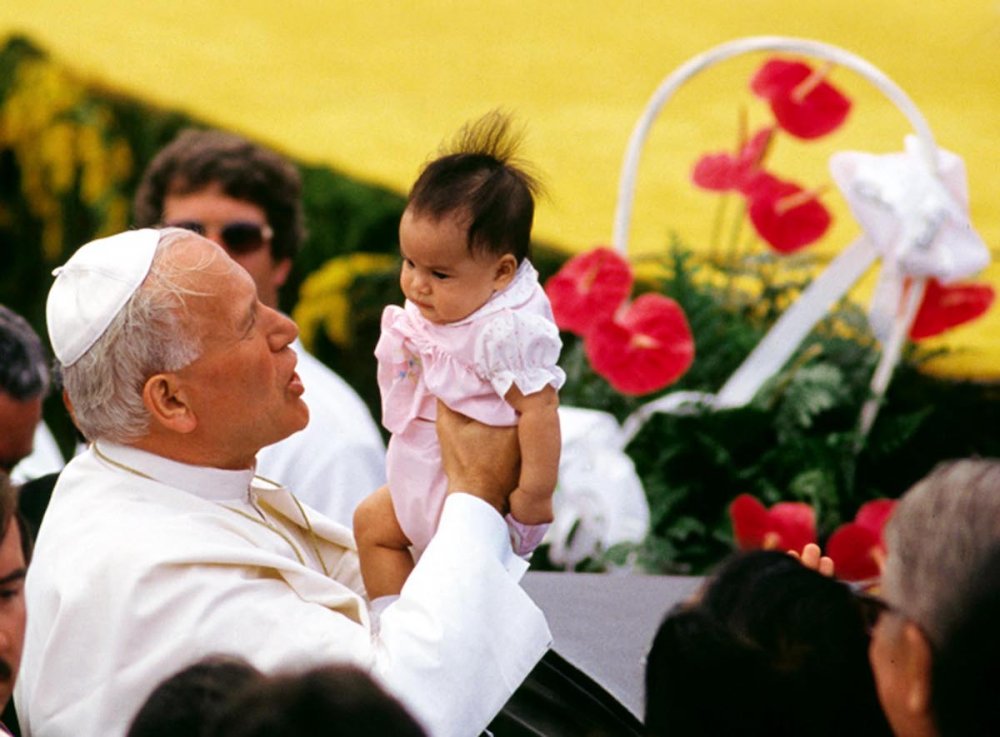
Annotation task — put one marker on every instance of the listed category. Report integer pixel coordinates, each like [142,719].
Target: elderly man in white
[161,546]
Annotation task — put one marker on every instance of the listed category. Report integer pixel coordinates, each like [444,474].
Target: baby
[476,333]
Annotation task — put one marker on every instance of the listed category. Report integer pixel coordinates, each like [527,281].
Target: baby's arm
[540,441]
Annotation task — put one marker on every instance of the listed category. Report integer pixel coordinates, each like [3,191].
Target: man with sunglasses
[247,199]
[939,535]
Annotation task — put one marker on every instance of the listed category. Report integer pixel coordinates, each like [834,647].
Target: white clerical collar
[214,484]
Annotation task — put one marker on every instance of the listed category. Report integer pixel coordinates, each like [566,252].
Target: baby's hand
[812,557]
[531,509]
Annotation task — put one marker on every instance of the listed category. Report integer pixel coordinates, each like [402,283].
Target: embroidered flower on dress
[410,368]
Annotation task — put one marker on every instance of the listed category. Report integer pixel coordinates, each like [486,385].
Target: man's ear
[506,268]
[168,403]
[917,669]
[279,274]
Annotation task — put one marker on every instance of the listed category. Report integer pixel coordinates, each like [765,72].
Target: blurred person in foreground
[188,702]
[939,537]
[768,648]
[247,199]
[161,546]
[222,696]
[299,704]
[15,552]
[966,669]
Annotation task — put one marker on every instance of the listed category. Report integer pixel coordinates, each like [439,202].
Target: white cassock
[339,458]
[144,565]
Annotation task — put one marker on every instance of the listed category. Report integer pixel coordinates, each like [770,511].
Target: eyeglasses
[239,237]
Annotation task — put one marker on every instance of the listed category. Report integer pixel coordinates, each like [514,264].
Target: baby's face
[439,275]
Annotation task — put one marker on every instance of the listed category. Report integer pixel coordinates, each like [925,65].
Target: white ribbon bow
[915,218]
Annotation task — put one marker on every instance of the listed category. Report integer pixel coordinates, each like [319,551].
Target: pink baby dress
[469,365]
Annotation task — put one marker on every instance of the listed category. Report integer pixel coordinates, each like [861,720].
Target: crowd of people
[177,585]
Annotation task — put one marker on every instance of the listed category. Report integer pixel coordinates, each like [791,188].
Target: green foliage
[796,441]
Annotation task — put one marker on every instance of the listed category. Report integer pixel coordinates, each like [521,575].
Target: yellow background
[373,87]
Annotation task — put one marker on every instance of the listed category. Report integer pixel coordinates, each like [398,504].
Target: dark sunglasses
[239,237]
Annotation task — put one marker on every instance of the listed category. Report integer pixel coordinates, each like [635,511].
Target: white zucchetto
[92,287]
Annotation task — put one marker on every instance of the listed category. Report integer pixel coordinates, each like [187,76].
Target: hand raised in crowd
[812,557]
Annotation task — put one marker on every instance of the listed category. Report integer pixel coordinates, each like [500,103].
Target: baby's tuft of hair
[480,177]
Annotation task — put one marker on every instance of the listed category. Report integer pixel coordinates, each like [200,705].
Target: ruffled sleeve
[519,348]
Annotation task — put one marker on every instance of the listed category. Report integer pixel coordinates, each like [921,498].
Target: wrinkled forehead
[215,291]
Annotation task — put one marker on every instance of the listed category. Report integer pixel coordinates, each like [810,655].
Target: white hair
[149,335]
[938,535]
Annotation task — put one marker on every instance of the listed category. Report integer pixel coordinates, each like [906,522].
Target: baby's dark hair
[480,174]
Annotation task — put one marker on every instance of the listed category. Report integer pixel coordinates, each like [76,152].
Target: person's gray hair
[146,337]
[24,371]
[940,531]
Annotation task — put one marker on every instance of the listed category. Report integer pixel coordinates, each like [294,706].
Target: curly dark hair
[244,170]
[479,173]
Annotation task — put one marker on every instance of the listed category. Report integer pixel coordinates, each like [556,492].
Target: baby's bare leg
[383,548]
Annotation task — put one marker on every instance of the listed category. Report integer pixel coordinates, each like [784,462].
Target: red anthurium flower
[944,307]
[858,548]
[588,288]
[723,172]
[803,102]
[785,526]
[854,550]
[644,347]
[874,514]
[783,214]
